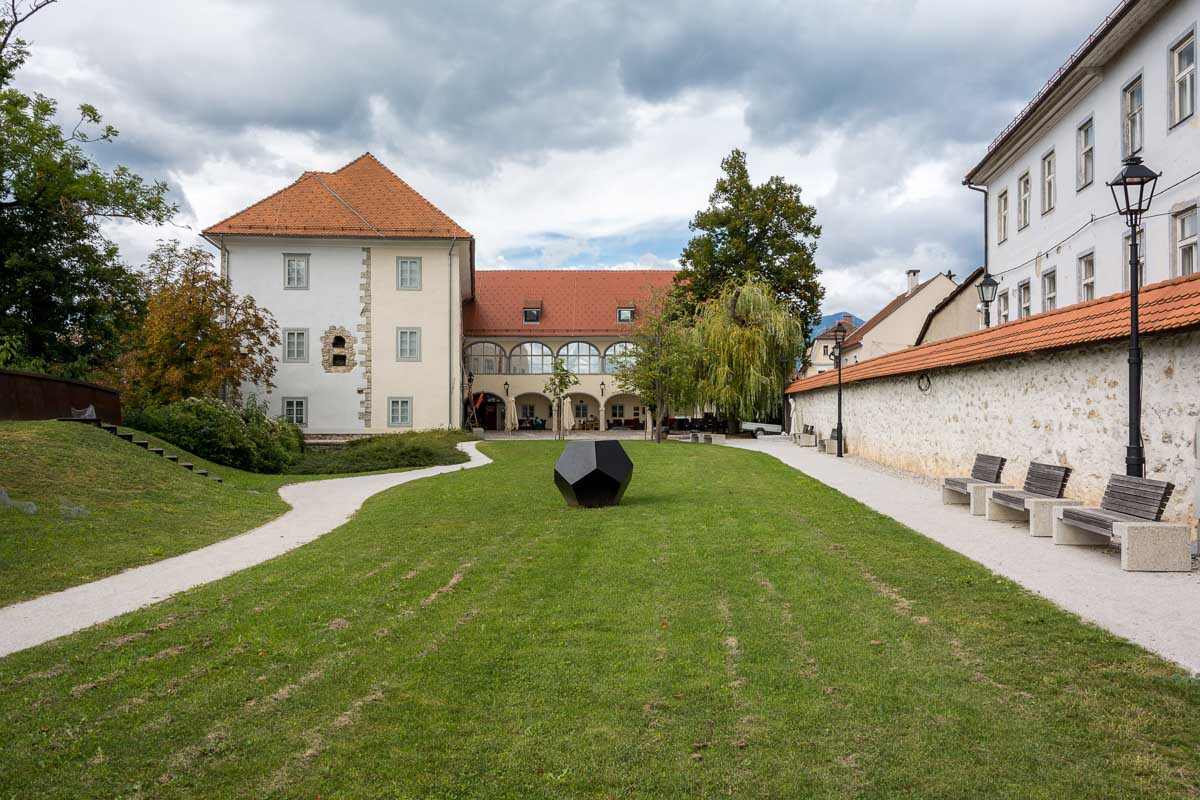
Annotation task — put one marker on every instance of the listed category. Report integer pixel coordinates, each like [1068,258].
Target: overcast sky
[565,134]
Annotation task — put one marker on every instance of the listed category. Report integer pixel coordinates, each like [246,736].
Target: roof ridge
[341,200]
[371,156]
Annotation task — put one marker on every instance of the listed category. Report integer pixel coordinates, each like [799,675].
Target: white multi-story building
[1054,238]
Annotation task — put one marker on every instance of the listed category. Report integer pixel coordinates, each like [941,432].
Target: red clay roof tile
[1165,306]
[362,199]
[574,302]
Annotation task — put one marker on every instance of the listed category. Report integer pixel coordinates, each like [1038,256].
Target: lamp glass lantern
[506,387]
[988,288]
[1133,190]
[602,388]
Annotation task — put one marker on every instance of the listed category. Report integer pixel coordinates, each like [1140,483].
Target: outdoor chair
[1129,517]
[1035,502]
[985,474]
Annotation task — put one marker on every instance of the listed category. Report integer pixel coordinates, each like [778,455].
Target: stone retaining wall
[1062,407]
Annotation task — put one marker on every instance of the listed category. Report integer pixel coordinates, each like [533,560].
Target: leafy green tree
[765,232]
[748,339]
[561,381]
[660,372]
[198,338]
[65,296]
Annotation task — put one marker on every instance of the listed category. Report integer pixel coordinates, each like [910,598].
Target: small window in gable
[532,315]
[625,314]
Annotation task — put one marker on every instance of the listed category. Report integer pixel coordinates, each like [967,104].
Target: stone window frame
[327,350]
[295,359]
[307,270]
[1191,204]
[396,422]
[400,287]
[283,409]
[1084,282]
[1024,203]
[1173,122]
[417,333]
[1082,180]
[1003,306]
[1046,295]
[1002,216]
[1025,284]
[1137,80]
[1050,179]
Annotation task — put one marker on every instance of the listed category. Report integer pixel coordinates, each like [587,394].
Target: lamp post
[1132,191]
[839,336]
[987,288]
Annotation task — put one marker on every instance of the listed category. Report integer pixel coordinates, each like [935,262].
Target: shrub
[245,438]
[388,451]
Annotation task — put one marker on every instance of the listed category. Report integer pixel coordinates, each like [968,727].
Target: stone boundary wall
[1061,407]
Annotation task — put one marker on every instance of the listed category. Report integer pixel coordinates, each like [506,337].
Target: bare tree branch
[17,18]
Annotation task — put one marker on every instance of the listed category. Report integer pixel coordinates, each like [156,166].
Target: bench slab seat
[1035,502]
[985,474]
[1129,517]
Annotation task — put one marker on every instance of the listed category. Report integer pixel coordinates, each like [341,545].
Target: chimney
[912,280]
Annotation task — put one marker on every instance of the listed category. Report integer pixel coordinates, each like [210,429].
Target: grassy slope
[733,629]
[139,507]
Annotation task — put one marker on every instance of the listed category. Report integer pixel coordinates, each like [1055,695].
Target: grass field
[734,629]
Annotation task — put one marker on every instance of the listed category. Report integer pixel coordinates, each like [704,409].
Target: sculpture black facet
[593,474]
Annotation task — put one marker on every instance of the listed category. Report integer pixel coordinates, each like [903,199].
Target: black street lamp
[1132,191]
[839,336]
[987,288]
[602,388]
[506,388]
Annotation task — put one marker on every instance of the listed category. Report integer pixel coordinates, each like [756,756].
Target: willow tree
[748,340]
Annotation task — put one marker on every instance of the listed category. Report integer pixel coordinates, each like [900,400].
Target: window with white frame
[295,344]
[581,410]
[1185,241]
[400,412]
[295,270]
[1049,290]
[618,354]
[1002,308]
[485,358]
[1141,259]
[295,410]
[1049,183]
[1002,216]
[1183,69]
[625,314]
[1024,300]
[1087,277]
[618,411]
[1132,107]
[581,358]
[408,344]
[408,273]
[531,358]
[526,411]
[1085,138]
[1024,190]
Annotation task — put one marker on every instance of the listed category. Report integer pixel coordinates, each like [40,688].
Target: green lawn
[733,629]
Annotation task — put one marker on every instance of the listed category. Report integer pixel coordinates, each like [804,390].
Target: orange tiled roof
[574,302]
[1165,306]
[362,199]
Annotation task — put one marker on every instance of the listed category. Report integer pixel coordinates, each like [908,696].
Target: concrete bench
[1129,516]
[829,446]
[806,437]
[972,491]
[1035,501]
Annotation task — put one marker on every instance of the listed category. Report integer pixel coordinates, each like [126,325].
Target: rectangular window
[1183,70]
[1141,243]
[1049,290]
[618,411]
[295,270]
[399,412]
[1185,241]
[1132,104]
[1002,216]
[532,315]
[1024,190]
[1086,146]
[527,411]
[295,344]
[624,315]
[1002,310]
[1024,300]
[581,411]
[1049,183]
[408,273]
[408,344]
[295,410]
[1087,277]
[824,349]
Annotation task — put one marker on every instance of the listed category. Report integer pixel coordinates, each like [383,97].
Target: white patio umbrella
[510,414]
[568,415]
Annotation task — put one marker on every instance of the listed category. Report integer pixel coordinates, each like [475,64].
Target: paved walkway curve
[1157,610]
[317,508]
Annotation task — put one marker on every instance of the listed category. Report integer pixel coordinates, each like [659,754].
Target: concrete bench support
[1038,512]
[979,496]
[950,497]
[805,439]
[1145,546]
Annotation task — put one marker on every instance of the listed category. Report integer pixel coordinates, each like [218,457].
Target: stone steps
[145,445]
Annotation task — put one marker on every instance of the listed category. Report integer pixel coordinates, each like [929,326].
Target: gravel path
[317,508]
[1160,611]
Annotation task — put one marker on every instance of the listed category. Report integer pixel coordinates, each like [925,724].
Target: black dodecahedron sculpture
[593,474]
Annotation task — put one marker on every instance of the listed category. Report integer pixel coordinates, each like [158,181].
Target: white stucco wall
[901,328]
[1065,407]
[256,267]
[1174,151]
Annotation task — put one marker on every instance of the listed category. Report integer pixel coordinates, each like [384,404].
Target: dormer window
[533,315]
[625,314]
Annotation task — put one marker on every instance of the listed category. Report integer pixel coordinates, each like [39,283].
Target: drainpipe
[450,334]
[984,191]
